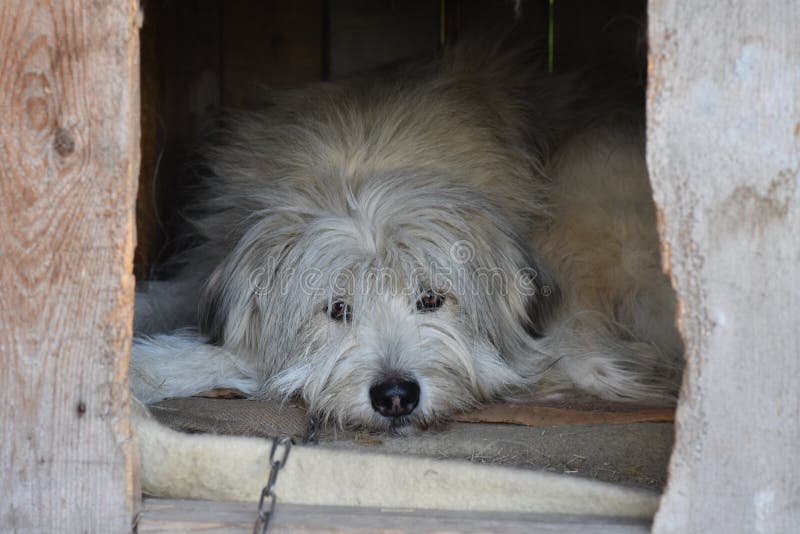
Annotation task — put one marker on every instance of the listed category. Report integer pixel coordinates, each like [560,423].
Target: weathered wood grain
[188,65]
[270,43]
[466,18]
[180,93]
[68,161]
[724,157]
[170,515]
[608,34]
[365,35]
[149,227]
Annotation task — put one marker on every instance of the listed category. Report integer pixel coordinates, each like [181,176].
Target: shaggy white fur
[394,250]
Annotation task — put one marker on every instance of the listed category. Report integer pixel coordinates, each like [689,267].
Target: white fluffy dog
[394,250]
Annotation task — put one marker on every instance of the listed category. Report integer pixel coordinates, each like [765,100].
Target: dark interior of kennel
[199,56]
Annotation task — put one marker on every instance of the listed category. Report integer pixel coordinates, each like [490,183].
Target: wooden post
[724,157]
[69,157]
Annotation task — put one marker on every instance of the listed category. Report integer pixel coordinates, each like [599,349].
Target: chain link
[266,509]
[311,435]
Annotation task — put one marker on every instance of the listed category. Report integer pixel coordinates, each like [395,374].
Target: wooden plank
[724,156]
[365,34]
[534,415]
[180,93]
[608,34]
[167,515]
[270,43]
[69,156]
[188,55]
[149,237]
[465,18]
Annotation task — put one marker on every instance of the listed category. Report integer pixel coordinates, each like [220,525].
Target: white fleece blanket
[201,466]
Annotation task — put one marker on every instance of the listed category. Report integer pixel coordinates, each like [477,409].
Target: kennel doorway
[722,128]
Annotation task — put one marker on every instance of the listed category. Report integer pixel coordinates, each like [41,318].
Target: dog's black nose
[394,398]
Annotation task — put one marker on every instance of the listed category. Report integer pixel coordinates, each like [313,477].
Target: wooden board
[364,34]
[69,157]
[609,34]
[188,62]
[467,18]
[724,155]
[168,515]
[534,415]
[149,228]
[182,80]
[269,43]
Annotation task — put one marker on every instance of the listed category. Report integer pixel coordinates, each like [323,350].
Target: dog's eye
[429,301]
[339,311]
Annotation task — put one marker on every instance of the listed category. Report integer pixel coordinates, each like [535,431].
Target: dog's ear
[544,299]
[211,308]
[228,306]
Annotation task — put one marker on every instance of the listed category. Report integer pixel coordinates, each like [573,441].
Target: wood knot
[81,408]
[64,143]
[38,113]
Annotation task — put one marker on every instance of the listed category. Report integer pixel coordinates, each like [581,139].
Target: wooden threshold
[169,515]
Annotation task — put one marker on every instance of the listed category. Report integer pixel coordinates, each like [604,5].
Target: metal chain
[266,511]
[311,435]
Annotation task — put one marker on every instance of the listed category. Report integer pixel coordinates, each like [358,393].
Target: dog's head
[385,304]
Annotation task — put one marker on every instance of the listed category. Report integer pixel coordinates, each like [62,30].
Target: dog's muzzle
[394,398]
